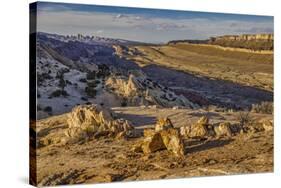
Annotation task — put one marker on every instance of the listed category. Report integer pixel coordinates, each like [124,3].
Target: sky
[146,25]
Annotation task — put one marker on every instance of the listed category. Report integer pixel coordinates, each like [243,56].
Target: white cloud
[141,28]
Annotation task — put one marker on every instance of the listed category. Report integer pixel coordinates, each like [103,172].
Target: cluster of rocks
[85,121]
[202,128]
[164,136]
[140,90]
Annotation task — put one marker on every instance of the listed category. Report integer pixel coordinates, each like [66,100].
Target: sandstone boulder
[204,120]
[223,129]
[172,141]
[164,136]
[267,125]
[86,120]
[199,129]
[163,124]
[152,143]
[148,132]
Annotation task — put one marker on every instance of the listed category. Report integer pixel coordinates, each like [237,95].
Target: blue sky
[147,25]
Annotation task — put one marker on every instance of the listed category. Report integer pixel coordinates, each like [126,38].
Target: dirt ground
[109,159]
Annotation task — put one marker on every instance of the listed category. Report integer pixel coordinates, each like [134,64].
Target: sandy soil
[109,159]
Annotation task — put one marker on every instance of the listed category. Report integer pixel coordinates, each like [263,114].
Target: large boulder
[172,141]
[86,120]
[164,136]
[223,129]
[199,129]
[152,143]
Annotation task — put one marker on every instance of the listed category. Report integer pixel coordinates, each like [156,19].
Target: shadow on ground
[138,120]
[197,146]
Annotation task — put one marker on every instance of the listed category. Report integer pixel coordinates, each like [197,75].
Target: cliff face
[255,42]
[246,37]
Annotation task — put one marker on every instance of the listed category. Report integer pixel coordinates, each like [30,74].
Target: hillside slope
[246,68]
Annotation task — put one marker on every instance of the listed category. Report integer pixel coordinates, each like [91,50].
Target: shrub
[97,82]
[244,118]
[264,107]
[124,103]
[83,80]
[42,77]
[91,84]
[68,82]
[48,109]
[62,83]
[84,99]
[90,91]
[59,93]
[91,75]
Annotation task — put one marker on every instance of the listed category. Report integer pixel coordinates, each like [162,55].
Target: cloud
[143,27]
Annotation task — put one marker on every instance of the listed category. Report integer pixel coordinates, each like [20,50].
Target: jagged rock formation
[199,129]
[223,129]
[163,124]
[86,120]
[165,137]
[202,128]
[137,89]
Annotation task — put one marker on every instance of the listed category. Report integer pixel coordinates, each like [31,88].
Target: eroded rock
[152,143]
[87,120]
[199,129]
[223,129]
[164,136]
[163,124]
[267,125]
[172,141]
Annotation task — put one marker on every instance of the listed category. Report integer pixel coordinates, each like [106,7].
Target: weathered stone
[199,129]
[267,125]
[163,123]
[195,130]
[223,129]
[120,125]
[85,116]
[172,141]
[140,90]
[87,120]
[152,143]
[148,132]
[137,148]
[164,137]
[204,120]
